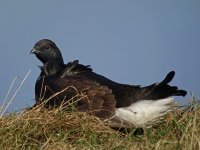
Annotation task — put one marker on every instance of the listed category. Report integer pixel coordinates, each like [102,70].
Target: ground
[39,128]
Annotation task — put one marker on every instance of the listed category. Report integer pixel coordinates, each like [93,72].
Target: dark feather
[74,68]
[87,95]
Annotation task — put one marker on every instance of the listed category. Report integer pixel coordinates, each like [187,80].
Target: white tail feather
[144,112]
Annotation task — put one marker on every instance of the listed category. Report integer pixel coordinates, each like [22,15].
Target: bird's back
[124,94]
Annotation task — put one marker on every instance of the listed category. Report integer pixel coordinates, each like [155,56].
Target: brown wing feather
[90,96]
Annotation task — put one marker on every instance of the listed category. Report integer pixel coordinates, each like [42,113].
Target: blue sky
[130,41]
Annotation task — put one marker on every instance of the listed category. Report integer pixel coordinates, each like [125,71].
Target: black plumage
[59,83]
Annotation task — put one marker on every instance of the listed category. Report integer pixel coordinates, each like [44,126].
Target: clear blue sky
[129,41]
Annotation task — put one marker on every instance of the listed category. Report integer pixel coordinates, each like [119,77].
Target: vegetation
[39,128]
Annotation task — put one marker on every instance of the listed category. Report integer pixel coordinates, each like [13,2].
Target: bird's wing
[90,95]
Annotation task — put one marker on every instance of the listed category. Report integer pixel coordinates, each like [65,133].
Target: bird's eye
[47,47]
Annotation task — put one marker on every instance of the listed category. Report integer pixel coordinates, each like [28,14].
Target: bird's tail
[163,89]
[150,104]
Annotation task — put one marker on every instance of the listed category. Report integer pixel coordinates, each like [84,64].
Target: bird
[121,105]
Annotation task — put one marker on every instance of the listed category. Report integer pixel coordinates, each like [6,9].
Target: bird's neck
[52,67]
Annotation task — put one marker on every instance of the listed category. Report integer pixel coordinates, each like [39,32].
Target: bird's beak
[34,51]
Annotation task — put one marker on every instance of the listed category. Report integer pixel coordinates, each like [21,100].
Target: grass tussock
[57,129]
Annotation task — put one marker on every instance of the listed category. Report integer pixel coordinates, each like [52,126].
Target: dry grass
[57,129]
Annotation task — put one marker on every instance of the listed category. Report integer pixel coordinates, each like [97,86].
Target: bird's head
[46,51]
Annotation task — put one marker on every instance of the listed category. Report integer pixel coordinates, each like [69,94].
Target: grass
[39,128]
[57,129]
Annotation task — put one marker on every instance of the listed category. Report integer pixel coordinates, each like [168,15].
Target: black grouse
[119,104]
